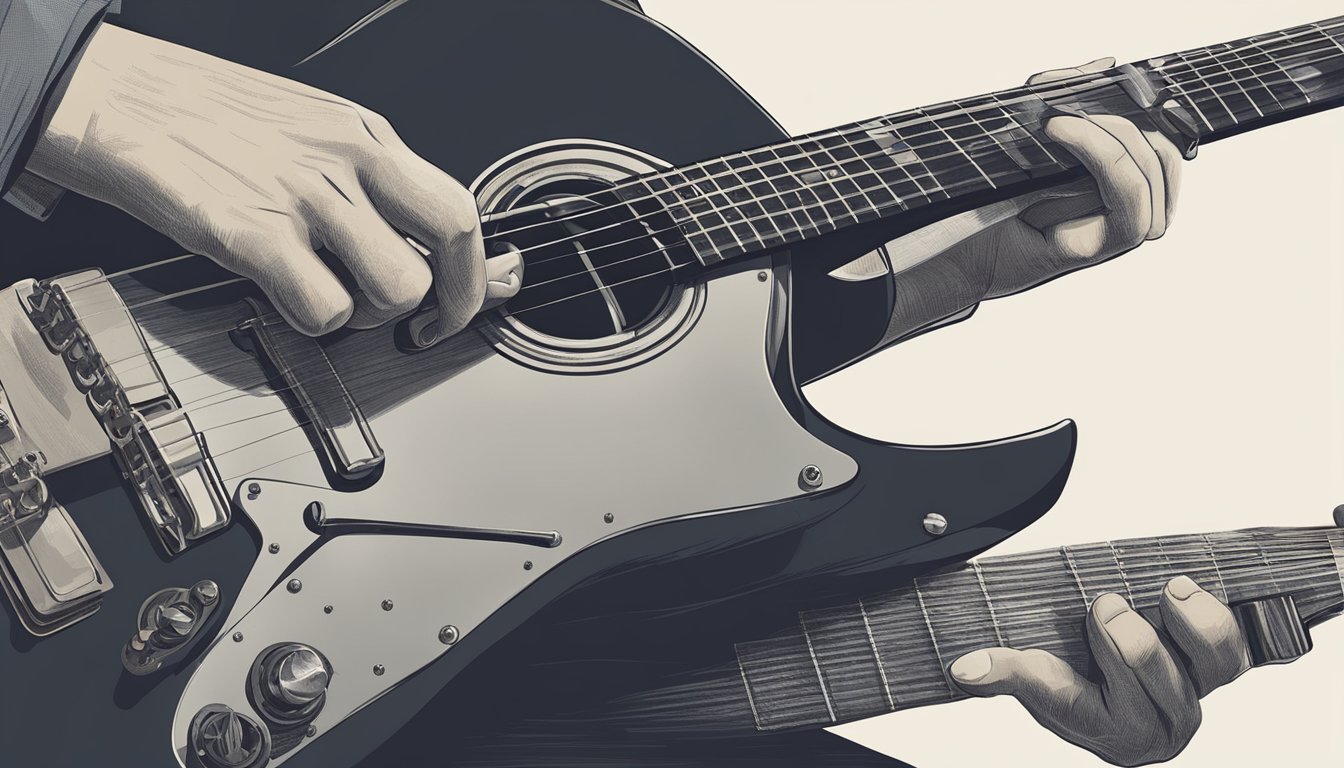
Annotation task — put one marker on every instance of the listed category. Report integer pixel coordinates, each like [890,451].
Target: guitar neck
[973,151]
[891,651]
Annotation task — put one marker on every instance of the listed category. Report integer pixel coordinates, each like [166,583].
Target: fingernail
[1182,587]
[972,667]
[1108,606]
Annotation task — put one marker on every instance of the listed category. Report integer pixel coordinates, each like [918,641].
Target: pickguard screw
[607,518]
[527,565]
[312,731]
[387,605]
[810,477]
[237,637]
[294,586]
[448,635]
[762,276]
[327,609]
[273,549]
[254,489]
[935,524]
[378,670]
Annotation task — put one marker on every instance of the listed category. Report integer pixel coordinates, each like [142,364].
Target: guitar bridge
[82,319]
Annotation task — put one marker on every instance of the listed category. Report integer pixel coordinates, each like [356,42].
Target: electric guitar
[311,540]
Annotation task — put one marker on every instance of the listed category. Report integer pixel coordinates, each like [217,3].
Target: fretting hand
[257,172]
[1146,707]
[1137,175]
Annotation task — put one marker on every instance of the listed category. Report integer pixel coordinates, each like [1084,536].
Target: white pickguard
[491,443]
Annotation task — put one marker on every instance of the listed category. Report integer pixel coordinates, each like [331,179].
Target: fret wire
[1219,97]
[751,700]
[1073,569]
[1328,36]
[1246,64]
[1277,63]
[1213,558]
[1211,57]
[993,619]
[962,150]
[1007,113]
[872,169]
[877,657]
[928,624]
[829,177]
[1238,83]
[1180,88]
[1338,555]
[821,679]
[872,206]
[1129,592]
[1025,93]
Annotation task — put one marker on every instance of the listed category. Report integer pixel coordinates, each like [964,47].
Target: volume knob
[289,684]
[301,676]
[223,738]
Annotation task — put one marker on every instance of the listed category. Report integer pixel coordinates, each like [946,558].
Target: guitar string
[237,280]
[1317,33]
[1084,78]
[805,206]
[521,311]
[801,229]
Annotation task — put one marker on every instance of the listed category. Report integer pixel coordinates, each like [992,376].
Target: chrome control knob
[289,684]
[222,738]
[301,676]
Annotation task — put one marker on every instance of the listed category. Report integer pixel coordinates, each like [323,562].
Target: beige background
[1206,370]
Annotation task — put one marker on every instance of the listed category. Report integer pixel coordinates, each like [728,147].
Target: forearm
[40,43]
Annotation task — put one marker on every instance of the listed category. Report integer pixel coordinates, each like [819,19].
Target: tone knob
[289,684]
[222,738]
[301,676]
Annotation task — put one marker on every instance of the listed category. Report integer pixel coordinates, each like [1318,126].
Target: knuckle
[405,291]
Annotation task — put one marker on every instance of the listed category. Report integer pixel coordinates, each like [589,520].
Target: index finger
[430,206]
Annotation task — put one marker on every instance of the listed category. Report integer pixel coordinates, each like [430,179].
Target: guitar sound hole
[594,273]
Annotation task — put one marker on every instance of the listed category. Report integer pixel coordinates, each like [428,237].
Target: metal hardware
[810,477]
[448,635]
[608,518]
[168,623]
[935,524]
[327,609]
[288,685]
[527,565]
[1339,516]
[47,568]
[254,489]
[387,605]
[237,637]
[318,519]
[762,276]
[349,449]
[152,439]
[222,738]
[378,670]
[1274,632]
[294,586]
[274,549]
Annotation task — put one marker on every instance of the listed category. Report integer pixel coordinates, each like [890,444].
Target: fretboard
[987,146]
[891,651]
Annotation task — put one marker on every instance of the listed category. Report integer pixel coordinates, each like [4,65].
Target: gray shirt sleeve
[40,40]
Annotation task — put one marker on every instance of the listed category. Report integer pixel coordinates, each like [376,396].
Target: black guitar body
[466,83]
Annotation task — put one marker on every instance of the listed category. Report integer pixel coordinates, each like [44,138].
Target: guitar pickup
[82,319]
[304,376]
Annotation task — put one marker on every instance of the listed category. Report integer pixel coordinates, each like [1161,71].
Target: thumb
[989,671]
[1096,65]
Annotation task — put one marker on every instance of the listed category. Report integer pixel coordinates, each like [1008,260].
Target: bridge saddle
[83,319]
